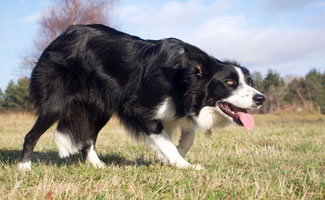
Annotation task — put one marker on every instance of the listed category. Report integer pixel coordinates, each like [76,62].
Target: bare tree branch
[62,14]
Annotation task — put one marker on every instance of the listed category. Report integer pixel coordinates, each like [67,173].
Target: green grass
[282,158]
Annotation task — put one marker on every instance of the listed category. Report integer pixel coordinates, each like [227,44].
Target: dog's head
[239,94]
[231,94]
[218,92]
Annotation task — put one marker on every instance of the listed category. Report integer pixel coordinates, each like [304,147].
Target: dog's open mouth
[239,115]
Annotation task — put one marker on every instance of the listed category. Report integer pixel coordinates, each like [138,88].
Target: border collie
[90,72]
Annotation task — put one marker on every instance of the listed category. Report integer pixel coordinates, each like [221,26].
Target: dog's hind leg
[65,142]
[78,131]
[44,121]
[88,149]
[92,157]
[185,141]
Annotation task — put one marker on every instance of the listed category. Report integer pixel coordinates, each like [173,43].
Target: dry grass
[282,158]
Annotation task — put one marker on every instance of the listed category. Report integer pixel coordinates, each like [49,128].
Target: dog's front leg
[163,145]
[185,141]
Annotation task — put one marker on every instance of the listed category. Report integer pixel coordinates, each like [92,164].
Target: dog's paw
[98,164]
[183,165]
[24,166]
[198,167]
[189,166]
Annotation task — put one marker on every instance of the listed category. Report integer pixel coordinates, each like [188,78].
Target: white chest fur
[209,117]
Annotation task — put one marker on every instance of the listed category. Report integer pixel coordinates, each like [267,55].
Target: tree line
[292,94]
[283,94]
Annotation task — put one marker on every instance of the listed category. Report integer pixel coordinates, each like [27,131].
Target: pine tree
[274,89]
[316,82]
[16,96]
[258,81]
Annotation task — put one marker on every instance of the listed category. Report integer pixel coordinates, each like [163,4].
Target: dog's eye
[231,82]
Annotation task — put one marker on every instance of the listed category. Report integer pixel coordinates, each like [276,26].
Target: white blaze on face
[242,97]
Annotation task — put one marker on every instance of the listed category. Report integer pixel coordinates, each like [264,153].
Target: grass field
[282,158]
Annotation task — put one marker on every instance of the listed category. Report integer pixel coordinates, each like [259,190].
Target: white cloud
[172,18]
[31,18]
[234,36]
[230,36]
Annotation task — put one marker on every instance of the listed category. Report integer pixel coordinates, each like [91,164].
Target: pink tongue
[246,119]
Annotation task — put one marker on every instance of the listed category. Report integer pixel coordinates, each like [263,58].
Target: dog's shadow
[12,157]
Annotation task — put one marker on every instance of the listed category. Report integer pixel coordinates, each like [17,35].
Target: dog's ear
[199,60]
[200,70]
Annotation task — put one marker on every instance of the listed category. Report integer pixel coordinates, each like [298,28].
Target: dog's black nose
[259,99]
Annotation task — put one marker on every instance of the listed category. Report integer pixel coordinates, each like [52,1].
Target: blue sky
[284,35]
